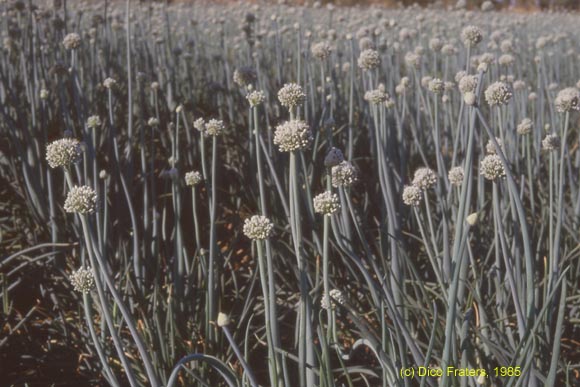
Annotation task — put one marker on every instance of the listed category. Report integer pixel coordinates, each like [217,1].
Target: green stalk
[267,316]
[213,236]
[238,353]
[326,285]
[102,296]
[195,218]
[560,207]
[272,315]
[109,375]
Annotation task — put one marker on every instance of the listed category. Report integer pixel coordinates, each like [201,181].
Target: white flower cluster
[93,122]
[199,124]
[329,301]
[436,86]
[567,100]
[258,227]
[506,60]
[551,142]
[467,84]
[291,95]
[109,83]
[497,93]
[337,296]
[491,167]
[455,176]
[369,59]
[193,178]
[82,280]
[81,199]
[293,135]
[326,203]
[321,50]
[412,195]
[63,152]
[343,174]
[256,97]
[491,148]
[72,41]
[471,36]
[214,127]
[525,126]
[376,96]
[412,59]
[424,178]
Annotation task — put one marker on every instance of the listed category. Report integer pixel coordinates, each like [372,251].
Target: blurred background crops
[421,286]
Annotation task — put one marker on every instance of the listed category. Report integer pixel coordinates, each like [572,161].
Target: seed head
[43,94]
[193,178]
[551,142]
[471,36]
[567,100]
[291,95]
[258,227]
[343,174]
[424,178]
[455,176]
[369,59]
[412,195]
[63,152]
[293,135]
[491,167]
[525,126]
[326,203]
[256,97]
[497,94]
[81,199]
[153,121]
[72,41]
[82,280]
